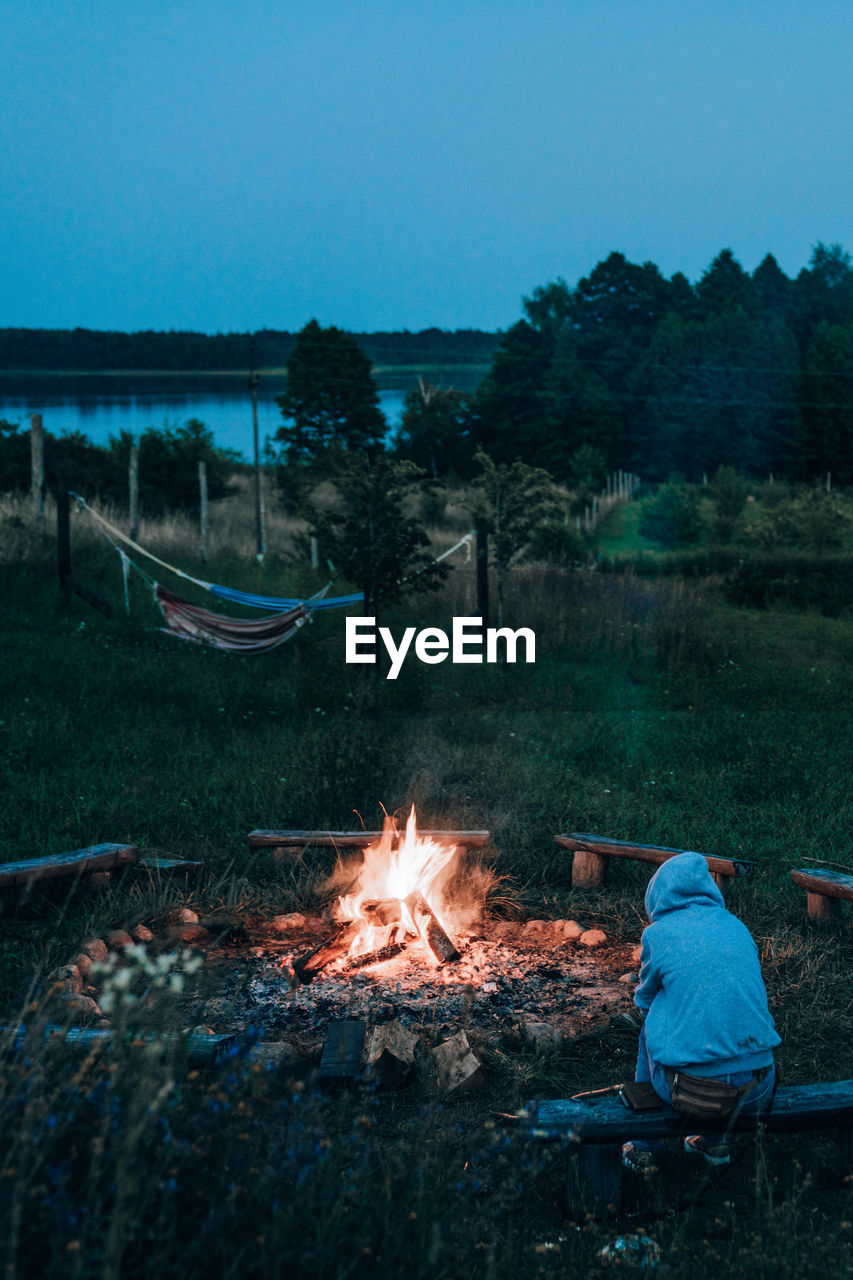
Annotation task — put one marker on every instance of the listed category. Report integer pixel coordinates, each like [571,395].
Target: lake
[103,405]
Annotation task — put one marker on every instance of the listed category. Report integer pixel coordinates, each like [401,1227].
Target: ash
[499,986]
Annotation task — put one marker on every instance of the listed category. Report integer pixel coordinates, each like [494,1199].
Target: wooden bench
[592,852]
[595,1132]
[284,845]
[97,861]
[825,891]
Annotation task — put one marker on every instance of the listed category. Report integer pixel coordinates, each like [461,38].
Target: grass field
[654,712]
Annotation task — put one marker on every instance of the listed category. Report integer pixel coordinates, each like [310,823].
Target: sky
[201,164]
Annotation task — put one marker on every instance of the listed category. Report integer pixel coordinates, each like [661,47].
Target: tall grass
[654,712]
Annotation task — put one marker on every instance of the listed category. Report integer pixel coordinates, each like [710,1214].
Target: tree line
[92,349]
[627,369]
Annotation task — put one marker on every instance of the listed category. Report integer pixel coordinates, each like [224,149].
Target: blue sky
[221,166]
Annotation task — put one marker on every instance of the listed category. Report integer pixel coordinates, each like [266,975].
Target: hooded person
[708,1033]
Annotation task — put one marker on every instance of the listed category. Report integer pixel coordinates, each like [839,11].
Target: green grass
[654,712]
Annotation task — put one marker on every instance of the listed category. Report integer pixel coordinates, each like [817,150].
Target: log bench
[591,854]
[595,1131]
[97,861]
[825,891]
[284,845]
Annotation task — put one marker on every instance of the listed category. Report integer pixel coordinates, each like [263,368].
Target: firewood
[458,1067]
[430,929]
[376,957]
[382,911]
[315,960]
[343,1052]
[391,1051]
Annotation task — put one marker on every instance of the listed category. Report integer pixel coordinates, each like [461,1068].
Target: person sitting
[707,1041]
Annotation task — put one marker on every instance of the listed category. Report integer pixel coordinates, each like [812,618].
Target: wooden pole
[205,524]
[63,541]
[37,464]
[482,540]
[259,510]
[133,491]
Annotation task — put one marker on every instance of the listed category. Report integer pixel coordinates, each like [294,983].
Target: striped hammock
[236,635]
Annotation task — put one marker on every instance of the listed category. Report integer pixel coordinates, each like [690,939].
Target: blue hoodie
[700,978]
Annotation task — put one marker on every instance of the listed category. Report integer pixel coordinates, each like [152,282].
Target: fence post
[205,525]
[133,491]
[63,540]
[482,540]
[37,464]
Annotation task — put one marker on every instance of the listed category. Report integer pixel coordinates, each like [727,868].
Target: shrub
[672,517]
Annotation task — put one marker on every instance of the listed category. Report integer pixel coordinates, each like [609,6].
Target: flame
[395,867]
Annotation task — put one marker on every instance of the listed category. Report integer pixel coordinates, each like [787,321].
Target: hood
[682,881]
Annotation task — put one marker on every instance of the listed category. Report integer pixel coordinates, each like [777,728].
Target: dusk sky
[378,165]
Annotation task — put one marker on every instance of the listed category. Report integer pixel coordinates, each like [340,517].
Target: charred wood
[430,929]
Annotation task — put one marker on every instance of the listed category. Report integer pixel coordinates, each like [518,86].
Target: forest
[656,375]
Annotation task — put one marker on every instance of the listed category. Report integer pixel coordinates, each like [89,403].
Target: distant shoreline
[280,372]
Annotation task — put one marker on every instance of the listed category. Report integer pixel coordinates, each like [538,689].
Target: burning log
[376,957]
[430,929]
[382,911]
[310,964]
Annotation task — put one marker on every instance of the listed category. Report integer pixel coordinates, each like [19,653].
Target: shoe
[716,1153]
[637,1159]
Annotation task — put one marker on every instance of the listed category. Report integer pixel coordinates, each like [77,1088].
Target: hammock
[191,622]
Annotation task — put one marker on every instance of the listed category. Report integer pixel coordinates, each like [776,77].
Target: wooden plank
[263,838]
[343,1052]
[201,1047]
[170,866]
[795,1107]
[97,857]
[579,841]
[595,1180]
[830,884]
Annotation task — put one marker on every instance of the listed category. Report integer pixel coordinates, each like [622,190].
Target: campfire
[395,901]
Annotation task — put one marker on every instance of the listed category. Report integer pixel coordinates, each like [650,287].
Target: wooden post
[483,572]
[37,464]
[205,525]
[259,510]
[587,869]
[823,909]
[63,542]
[133,491]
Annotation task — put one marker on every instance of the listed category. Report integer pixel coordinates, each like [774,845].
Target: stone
[535,927]
[118,939]
[68,975]
[141,933]
[285,924]
[544,1037]
[636,956]
[629,977]
[82,964]
[187,932]
[391,1050]
[275,1056]
[80,1008]
[186,916]
[570,929]
[592,938]
[95,949]
[503,929]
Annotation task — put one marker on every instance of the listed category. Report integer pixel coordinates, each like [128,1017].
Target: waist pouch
[698,1096]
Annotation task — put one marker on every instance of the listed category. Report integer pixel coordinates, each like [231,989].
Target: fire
[397,895]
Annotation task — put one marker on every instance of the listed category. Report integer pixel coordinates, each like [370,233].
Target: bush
[672,517]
